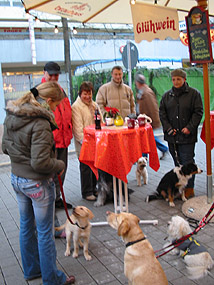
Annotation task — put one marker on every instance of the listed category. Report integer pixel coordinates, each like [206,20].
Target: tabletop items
[115,149]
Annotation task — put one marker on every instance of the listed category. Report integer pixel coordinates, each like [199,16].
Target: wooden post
[203,4]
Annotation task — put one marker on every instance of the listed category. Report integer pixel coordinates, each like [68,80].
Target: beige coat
[118,96]
[81,118]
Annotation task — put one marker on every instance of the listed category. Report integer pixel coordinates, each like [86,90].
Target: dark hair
[116,67]
[86,86]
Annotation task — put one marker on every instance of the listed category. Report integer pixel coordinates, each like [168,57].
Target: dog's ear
[137,220]
[185,228]
[90,214]
[123,228]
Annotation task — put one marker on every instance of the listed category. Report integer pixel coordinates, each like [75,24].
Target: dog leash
[63,199]
[176,243]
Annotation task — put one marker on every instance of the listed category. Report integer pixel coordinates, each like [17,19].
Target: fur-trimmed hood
[19,116]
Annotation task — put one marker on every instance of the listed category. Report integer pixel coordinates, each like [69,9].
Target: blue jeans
[36,200]
[162,147]
[186,154]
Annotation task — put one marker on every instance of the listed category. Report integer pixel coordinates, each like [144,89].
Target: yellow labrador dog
[81,229]
[140,264]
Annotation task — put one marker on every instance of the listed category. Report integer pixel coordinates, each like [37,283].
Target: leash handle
[63,199]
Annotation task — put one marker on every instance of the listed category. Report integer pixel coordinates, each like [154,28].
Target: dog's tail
[154,196]
[60,228]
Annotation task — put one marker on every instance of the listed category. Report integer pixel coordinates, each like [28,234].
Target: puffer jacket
[179,111]
[81,118]
[148,105]
[118,96]
[28,140]
[63,118]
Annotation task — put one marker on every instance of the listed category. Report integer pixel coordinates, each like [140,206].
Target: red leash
[63,198]
[176,243]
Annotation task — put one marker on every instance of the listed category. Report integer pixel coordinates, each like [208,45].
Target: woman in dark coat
[28,140]
[181,111]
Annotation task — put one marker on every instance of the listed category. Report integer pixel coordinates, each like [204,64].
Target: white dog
[141,171]
[198,260]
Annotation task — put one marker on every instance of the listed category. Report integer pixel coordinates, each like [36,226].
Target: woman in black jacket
[181,110]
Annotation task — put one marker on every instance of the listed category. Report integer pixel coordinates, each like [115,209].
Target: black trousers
[88,180]
[186,154]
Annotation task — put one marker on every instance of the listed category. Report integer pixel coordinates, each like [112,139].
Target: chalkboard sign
[198,31]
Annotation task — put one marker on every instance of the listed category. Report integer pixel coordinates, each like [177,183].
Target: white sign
[154,22]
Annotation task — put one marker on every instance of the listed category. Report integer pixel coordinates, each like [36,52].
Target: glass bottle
[97,119]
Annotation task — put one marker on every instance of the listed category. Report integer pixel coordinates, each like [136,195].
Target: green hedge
[158,79]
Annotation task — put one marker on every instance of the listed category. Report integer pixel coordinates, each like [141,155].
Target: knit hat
[179,72]
[140,78]
[52,68]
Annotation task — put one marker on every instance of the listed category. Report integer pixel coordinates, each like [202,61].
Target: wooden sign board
[198,31]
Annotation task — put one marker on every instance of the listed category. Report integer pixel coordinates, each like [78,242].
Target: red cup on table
[131,123]
[141,122]
[143,119]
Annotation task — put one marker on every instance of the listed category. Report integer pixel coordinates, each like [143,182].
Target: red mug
[141,122]
[131,123]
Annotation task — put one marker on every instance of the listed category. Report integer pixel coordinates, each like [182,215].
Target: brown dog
[140,264]
[81,229]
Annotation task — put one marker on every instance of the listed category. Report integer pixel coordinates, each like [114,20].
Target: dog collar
[83,228]
[133,242]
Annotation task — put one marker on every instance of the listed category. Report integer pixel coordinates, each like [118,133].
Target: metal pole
[67,57]
[207,132]
[203,4]
[129,63]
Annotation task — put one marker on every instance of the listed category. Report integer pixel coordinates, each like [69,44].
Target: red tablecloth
[211,129]
[115,149]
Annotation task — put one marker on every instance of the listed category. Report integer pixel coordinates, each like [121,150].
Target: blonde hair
[46,90]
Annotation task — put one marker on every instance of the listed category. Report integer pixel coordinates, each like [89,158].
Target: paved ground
[105,246]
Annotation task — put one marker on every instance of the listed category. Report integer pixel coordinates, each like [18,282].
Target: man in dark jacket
[181,110]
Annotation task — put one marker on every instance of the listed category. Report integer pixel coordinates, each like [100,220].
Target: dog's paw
[67,253]
[75,255]
[98,204]
[147,199]
[139,185]
[171,204]
[184,199]
[88,257]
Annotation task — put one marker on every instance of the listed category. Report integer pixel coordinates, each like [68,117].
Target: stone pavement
[106,248]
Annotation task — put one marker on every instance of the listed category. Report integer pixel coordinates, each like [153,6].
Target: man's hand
[185,131]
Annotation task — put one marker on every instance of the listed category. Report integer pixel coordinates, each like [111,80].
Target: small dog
[140,264]
[173,183]
[81,229]
[141,171]
[198,260]
[105,188]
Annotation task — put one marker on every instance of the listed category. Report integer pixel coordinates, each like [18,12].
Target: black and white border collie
[173,183]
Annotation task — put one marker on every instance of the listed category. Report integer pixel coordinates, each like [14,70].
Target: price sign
[198,31]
